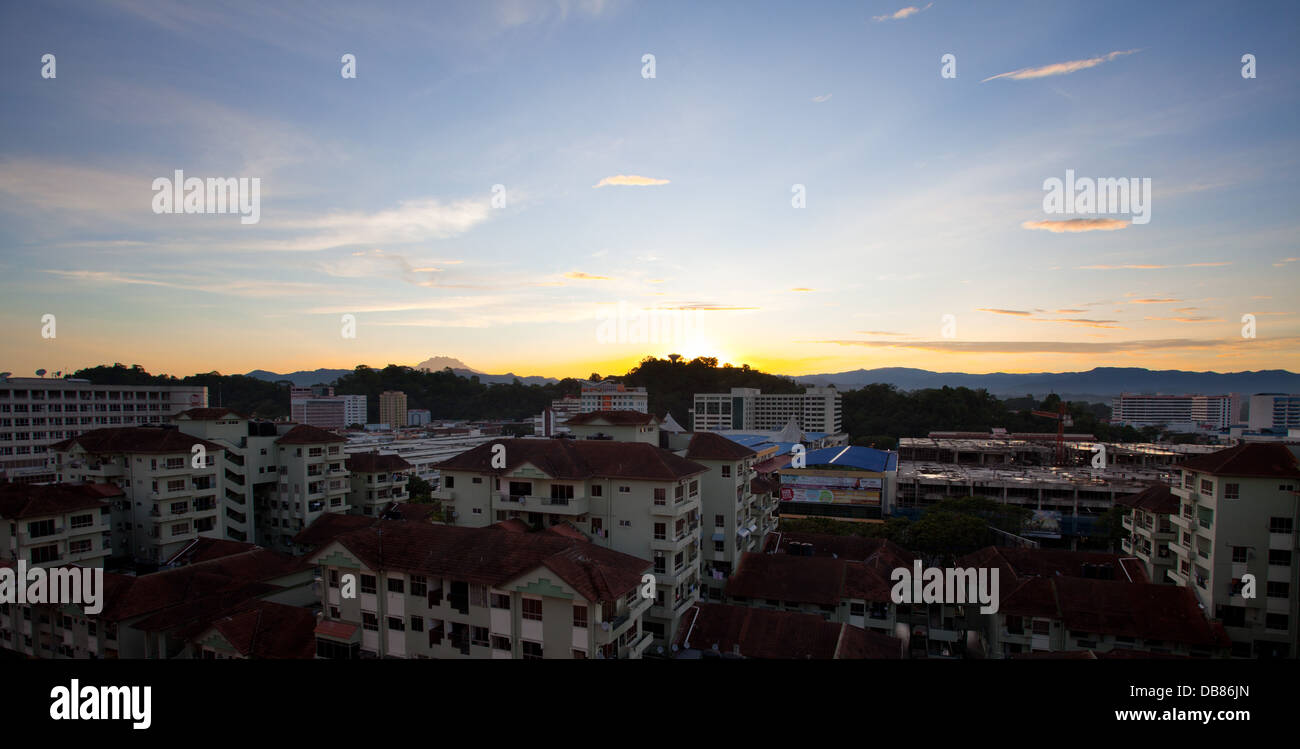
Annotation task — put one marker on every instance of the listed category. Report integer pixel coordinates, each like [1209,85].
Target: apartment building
[628,496]
[817,409]
[621,426]
[158,615]
[57,524]
[173,485]
[313,480]
[1148,519]
[1239,516]
[552,420]
[736,520]
[1276,412]
[376,481]
[431,591]
[417,417]
[1184,413]
[714,630]
[249,462]
[37,412]
[392,408]
[614,396]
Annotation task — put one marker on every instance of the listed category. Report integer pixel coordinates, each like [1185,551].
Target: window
[367,583]
[532,651]
[476,480]
[478,636]
[695,488]
[719,520]
[449,482]
[1207,486]
[1280,557]
[417,624]
[579,655]
[419,585]
[41,528]
[1188,481]
[719,545]
[369,621]
[533,609]
[580,616]
[1279,525]
[1232,491]
[661,531]
[521,488]
[80,547]
[625,490]
[500,601]
[1239,553]
[500,643]
[82,521]
[180,529]
[1276,621]
[726,472]
[41,554]
[661,496]
[396,585]
[1279,589]
[595,490]
[396,624]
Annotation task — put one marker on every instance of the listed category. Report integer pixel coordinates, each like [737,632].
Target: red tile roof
[822,581]
[712,446]
[1251,459]
[1016,563]
[129,597]
[337,630]
[156,440]
[856,548]
[305,434]
[578,459]
[203,549]
[490,557]
[330,526]
[612,418]
[760,633]
[376,463]
[1158,499]
[268,630]
[19,501]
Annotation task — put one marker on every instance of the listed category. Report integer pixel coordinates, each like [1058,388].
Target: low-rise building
[434,591]
[714,630]
[57,524]
[1148,520]
[377,480]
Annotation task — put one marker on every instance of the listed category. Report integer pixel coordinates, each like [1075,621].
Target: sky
[524,186]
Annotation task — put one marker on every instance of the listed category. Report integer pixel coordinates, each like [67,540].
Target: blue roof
[861,458]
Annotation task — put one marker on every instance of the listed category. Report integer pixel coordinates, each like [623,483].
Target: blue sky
[376,192]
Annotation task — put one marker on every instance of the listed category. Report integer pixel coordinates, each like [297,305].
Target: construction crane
[1063,420]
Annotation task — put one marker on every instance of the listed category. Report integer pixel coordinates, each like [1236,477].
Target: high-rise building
[36,412]
[817,409]
[319,407]
[392,408]
[1238,517]
[1276,412]
[1183,413]
[614,396]
[313,481]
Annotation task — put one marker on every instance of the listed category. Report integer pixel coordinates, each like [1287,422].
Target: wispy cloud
[822,98]
[901,13]
[1285,261]
[580,276]
[1151,267]
[1058,68]
[1004,311]
[1077,225]
[629,180]
[1065,347]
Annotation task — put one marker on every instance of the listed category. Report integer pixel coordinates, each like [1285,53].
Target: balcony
[555,505]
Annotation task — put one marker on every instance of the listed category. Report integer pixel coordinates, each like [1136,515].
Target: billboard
[1044,524]
[836,489]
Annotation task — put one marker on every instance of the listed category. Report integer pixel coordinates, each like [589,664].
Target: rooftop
[148,439]
[760,633]
[578,459]
[1249,459]
[18,501]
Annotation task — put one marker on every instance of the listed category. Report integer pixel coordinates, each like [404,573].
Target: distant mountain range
[305,378]
[1096,384]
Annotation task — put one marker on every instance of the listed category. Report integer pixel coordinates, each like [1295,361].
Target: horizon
[805,193]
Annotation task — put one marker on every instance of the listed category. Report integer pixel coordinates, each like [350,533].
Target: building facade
[817,409]
[392,408]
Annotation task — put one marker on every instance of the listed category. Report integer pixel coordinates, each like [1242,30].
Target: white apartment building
[36,412]
[55,524]
[332,412]
[1239,514]
[313,481]
[1184,413]
[628,496]
[248,462]
[376,479]
[551,421]
[431,591]
[817,409]
[173,484]
[614,396]
[1277,412]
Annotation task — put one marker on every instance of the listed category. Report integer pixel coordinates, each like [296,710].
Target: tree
[595,377]
[421,491]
